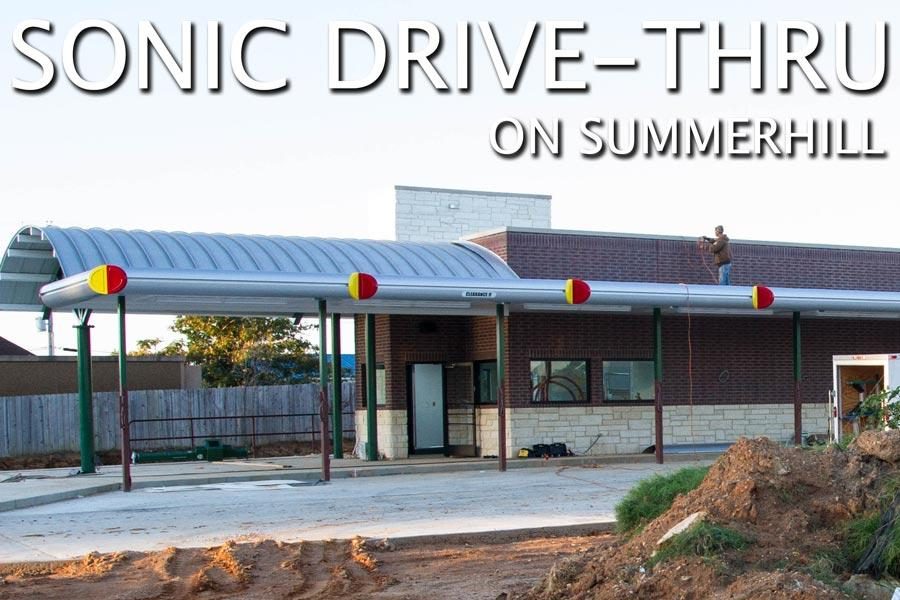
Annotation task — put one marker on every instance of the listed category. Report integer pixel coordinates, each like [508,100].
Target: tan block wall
[604,430]
[393,441]
[631,429]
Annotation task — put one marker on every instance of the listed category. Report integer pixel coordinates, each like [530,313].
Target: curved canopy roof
[39,255]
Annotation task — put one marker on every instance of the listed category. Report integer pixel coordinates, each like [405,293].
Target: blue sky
[311,162]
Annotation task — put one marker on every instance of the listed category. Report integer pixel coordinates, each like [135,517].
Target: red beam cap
[577,291]
[107,279]
[763,297]
[362,286]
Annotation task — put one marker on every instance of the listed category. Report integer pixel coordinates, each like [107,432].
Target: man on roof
[721,251]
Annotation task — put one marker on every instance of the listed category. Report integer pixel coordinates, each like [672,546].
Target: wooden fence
[44,424]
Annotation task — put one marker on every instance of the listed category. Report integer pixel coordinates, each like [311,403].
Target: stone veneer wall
[630,429]
[599,430]
[436,214]
[392,433]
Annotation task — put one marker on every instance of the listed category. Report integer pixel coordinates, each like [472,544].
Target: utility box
[210,451]
[857,376]
[213,449]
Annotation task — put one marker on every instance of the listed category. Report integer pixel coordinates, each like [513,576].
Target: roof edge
[673,238]
[413,188]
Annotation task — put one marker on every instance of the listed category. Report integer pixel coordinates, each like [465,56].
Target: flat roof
[412,188]
[674,238]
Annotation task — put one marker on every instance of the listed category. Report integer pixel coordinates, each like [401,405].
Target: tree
[236,351]
[150,347]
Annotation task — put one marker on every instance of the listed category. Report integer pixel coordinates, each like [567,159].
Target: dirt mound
[882,444]
[787,502]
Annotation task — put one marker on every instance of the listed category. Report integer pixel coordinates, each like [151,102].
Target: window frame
[630,401]
[547,401]
[477,387]
[379,366]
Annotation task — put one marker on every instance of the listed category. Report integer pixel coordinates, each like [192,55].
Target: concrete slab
[20,489]
[392,506]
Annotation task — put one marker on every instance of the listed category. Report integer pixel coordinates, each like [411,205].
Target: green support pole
[323,391]
[85,392]
[371,392]
[124,421]
[798,407]
[337,400]
[501,401]
[657,376]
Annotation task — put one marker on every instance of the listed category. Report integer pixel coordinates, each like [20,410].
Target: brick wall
[729,360]
[621,258]
[742,367]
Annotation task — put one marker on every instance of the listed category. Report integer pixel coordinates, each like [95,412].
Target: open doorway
[854,384]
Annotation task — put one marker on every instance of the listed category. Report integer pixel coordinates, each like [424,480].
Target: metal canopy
[224,264]
[216,274]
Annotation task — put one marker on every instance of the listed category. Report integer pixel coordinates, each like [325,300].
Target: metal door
[428,407]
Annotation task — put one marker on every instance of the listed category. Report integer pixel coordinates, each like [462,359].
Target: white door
[428,406]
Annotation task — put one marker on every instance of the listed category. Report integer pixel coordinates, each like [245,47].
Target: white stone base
[393,441]
[598,430]
[630,429]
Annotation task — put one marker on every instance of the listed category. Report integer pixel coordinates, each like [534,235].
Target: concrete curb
[499,536]
[52,497]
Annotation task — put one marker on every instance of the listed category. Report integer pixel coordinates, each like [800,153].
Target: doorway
[855,383]
[427,409]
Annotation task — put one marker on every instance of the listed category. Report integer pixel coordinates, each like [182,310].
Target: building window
[380,386]
[486,383]
[559,381]
[629,380]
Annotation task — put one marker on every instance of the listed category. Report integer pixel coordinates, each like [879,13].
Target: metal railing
[192,435]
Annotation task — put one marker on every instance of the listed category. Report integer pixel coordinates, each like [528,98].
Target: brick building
[586,378]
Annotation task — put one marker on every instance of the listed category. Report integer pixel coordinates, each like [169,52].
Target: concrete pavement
[191,510]
[25,488]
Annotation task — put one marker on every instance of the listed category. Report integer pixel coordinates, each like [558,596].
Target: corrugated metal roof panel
[69,251]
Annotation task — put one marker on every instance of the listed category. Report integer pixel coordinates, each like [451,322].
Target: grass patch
[859,533]
[707,540]
[653,496]
[827,567]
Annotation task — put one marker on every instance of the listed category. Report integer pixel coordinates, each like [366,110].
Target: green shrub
[858,533]
[653,496]
[882,409]
[704,539]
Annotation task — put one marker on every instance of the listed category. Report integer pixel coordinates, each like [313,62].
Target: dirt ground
[789,503]
[264,569]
